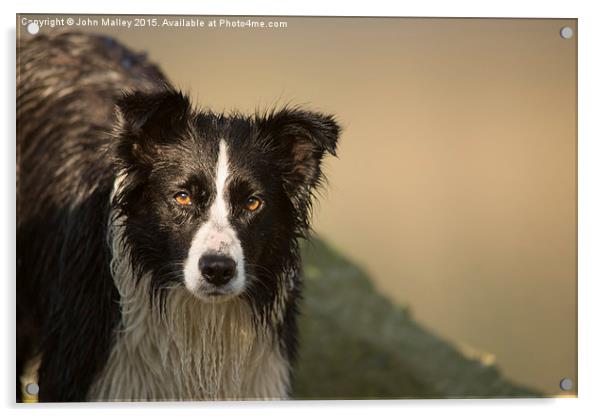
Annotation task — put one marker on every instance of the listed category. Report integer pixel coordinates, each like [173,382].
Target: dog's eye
[182,198]
[253,204]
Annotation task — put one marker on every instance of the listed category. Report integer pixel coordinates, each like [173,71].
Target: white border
[590,201]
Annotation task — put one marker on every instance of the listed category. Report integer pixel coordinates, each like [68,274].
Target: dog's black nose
[217,269]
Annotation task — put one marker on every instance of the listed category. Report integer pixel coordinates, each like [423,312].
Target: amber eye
[252,204]
[182,198]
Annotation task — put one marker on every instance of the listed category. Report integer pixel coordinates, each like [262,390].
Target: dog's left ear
[300,140]
[145,121]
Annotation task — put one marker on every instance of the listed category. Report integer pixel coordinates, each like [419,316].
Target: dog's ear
[145,121]
[300,139]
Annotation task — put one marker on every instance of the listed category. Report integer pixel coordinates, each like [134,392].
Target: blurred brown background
[456,182]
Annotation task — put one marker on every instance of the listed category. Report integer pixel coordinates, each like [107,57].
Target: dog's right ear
[145,121]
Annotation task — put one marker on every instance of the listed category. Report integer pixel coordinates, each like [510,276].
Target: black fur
[76,131]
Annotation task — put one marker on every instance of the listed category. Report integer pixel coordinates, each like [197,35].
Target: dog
[157,243]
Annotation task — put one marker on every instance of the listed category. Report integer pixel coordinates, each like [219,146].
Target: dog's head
[211,202]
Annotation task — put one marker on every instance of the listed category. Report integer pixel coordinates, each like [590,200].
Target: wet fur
[99,295]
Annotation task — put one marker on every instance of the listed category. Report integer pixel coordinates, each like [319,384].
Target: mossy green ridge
[356,344]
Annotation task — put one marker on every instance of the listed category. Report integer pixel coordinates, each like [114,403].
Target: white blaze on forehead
[216,234]
[219,209]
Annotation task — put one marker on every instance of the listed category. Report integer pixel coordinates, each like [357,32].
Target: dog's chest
[196,354]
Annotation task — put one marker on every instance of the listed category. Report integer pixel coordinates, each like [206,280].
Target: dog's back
[67,85]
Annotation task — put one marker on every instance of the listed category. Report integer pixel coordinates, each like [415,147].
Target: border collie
[157,244]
